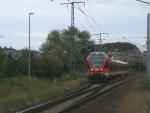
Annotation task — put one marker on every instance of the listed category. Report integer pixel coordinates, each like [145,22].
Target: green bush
[51,65]
[16,92]
[145,83]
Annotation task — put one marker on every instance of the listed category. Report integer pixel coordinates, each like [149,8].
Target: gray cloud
[126,17]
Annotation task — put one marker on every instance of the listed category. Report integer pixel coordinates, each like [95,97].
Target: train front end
[96,62]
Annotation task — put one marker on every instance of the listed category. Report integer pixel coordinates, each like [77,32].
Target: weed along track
[58,100]
[75,99]
[95,94]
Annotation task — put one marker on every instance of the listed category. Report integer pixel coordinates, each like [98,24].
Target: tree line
[54,55]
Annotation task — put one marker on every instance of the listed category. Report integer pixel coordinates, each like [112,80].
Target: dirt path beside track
[115,101]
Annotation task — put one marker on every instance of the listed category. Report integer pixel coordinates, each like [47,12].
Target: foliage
[2,59]
[145,83]
[120,46]
[61,43]
[50,65]
[16,92]
[144,86]
[55,57]
[9,66]
[56,54]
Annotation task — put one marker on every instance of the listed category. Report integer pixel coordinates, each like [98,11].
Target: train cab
[96,65]
[101,66]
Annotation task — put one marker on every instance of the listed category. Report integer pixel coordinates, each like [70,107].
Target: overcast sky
[119,18]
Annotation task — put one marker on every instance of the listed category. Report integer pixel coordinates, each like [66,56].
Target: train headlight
[92,69]
[102,69]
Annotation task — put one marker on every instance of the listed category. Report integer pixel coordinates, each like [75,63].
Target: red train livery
[101,65]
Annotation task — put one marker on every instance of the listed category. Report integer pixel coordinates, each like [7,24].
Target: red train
[101,65]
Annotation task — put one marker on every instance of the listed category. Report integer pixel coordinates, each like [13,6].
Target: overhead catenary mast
[143,1]
[148,44]
[72,10]
[148,39]
[73,36]
[100,38]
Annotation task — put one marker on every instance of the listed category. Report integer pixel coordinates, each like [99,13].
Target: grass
[145,87]
[145,83]
[134,102]
[17,92]
[138,98]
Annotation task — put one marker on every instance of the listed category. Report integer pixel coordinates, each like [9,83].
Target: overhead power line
[132,42]
[134,37]
[100,40]
[90,16]
[143,1]
[100,34]
[87,19]
[72,10]
[111,28]
[118,35]
[97,24]
[73,68]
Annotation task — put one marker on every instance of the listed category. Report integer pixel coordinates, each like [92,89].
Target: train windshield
[97,59]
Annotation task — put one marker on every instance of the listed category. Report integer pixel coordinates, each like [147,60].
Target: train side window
[124,67]
[110,66]
[120,67]
[106,65]
[113,67]
[117,67]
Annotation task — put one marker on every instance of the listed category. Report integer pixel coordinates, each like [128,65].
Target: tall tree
[59,43]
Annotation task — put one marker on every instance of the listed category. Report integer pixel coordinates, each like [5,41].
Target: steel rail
[87,91]
[94,95]
[57,100]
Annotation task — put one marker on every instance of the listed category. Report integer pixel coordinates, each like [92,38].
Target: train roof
[103,53]
[116,60]
[119,62]
[110,56]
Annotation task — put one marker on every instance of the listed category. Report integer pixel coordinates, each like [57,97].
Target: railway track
[85,100]
[73,100]
[58,100]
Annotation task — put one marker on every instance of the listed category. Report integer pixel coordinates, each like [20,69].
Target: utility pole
[100,38]
[148,44]
[73,36]
[143,1]
[148,39]
[29,47]
[72,10]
